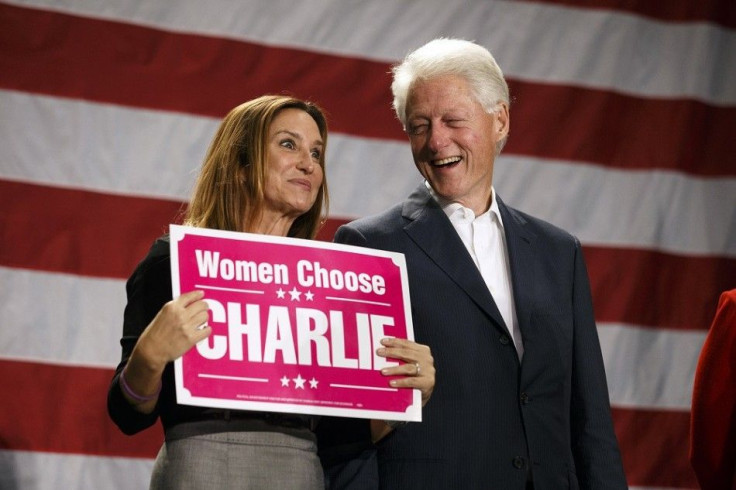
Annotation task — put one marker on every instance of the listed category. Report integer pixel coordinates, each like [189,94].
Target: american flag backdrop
[623,132]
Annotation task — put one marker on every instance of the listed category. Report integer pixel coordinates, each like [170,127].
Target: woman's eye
[288,144]
[316,154]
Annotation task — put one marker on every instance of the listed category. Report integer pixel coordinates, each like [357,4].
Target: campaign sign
[295,325]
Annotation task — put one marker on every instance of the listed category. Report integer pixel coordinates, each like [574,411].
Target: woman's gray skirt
[201,455]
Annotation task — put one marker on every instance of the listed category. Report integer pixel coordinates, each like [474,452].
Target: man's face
[454,140]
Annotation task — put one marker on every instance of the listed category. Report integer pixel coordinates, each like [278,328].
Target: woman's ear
[242,177]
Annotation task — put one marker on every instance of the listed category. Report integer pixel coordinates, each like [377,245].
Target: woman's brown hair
[228,194]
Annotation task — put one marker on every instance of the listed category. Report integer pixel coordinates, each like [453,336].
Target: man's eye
[418,128]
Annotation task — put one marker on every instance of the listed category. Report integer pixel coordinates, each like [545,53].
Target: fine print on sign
[295,325]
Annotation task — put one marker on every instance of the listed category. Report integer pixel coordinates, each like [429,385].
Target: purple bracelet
[135,396]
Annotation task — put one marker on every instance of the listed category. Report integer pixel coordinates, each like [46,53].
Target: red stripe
[327,232]
[582,125]
[100,60]
[650,288]
[63,409]
[654,446]
[103,235]
[68,56]
[646,287]
[59,404]
[78,232]
[83,232]
[716,11]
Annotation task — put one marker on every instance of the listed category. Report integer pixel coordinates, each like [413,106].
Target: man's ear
[502,121]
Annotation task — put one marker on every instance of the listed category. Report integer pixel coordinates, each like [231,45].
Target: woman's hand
[418,368]
[177,327]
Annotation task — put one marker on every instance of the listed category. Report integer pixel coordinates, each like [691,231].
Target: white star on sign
[299,381]
[280,293]
[313,383]
[295,293]
[309,295]
[284,381]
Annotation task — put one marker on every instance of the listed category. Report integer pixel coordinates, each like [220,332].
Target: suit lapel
[431,230]
[519,246]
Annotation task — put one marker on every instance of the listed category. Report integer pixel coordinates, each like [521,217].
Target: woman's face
[293,171]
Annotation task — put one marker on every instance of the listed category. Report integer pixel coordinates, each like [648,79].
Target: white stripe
[532,41]
[50,471]
[366,176]
[101,147]
[659,210]
[107,148]
[650,368]
[61,319]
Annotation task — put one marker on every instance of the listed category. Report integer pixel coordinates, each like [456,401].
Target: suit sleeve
[350,236]
[594,445]
[713,416]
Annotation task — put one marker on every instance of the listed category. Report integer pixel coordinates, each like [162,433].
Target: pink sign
[295,325]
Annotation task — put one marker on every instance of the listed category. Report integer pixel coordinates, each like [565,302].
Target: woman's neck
[273,225]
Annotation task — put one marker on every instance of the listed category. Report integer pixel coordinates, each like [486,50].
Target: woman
[264,173]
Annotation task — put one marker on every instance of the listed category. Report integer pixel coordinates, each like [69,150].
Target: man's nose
[439,137]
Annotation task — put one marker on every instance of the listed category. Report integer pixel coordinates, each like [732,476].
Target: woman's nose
[306,163]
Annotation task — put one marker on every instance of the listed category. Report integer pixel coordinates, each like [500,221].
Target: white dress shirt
[484,238]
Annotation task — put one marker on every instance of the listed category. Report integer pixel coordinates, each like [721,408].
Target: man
[501,298]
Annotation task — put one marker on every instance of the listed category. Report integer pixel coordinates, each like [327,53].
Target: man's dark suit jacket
[492,423]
